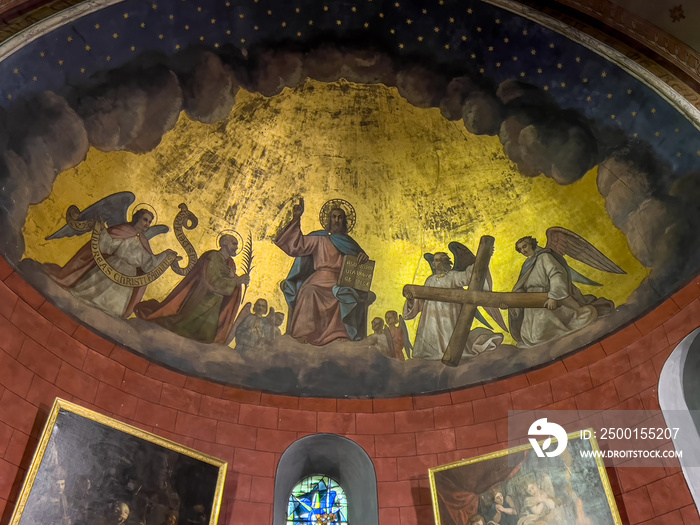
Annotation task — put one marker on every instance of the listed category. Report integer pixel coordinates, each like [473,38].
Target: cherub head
[260,307]
[119,512]
[476,519]
[391,318]
[378,325]
[498,497]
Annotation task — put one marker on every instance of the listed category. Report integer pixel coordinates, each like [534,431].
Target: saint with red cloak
[127,250]
[320,311]
[204,305]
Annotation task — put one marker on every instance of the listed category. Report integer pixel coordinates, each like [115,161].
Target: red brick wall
[44,354]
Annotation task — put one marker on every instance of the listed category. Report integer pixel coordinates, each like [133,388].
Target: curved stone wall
[44,354]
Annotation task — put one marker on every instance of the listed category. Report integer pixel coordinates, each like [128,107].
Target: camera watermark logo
[543,428]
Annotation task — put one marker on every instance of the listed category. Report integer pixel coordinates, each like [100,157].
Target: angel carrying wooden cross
[545,270]
[544,304]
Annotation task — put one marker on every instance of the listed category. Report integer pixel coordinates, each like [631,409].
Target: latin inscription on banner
[119,278]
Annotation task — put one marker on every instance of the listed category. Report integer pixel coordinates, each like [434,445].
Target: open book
[355,275]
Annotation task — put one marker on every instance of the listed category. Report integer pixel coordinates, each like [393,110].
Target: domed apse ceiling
[432,123]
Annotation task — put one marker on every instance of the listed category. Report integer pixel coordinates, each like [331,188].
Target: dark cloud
[480,110]
[276,70]
[50,137]
[4,132]
[325,64]
[543,139]
[624,187]
[161,109]
[687,189]
[209,88]
[132,110]
[14,202]
[369,67]
[328,64]
[659,226]
[112,118]
[482,114]
[510,136]
[456,92]
[421,87]
[648,229]
[44,137]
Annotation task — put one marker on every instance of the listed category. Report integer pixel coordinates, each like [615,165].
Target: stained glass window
[317,500]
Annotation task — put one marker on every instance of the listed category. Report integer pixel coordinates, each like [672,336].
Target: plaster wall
[45,354]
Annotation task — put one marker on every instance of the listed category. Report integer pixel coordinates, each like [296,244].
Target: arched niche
[334,456]
[679,397]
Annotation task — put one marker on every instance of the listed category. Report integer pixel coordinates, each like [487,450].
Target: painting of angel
[438,319]
[516,487]
[125,245]
[545,270]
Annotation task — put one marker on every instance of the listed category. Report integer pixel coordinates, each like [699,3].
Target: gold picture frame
[515,486]
[91,469]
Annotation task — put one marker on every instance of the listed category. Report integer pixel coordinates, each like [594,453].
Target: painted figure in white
[566,310]
[438,319]
[127,250]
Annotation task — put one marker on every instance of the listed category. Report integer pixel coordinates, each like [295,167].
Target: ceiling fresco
[420,142]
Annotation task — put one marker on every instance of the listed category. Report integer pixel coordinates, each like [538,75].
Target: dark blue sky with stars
[448,33]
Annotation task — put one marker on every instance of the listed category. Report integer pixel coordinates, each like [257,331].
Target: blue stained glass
[317,500]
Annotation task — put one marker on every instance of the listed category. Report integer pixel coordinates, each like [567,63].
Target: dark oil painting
[93,470]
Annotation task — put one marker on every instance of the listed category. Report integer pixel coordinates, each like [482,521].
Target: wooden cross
[472,298]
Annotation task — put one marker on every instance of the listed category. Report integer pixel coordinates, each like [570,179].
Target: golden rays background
[417,181]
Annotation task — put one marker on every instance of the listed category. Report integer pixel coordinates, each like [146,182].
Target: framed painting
[90,469]
[518,487]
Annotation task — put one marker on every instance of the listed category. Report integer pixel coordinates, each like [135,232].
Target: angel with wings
[438,319]
[126,248]
[545,270]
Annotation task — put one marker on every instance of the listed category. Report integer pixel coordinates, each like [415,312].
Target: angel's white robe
[127,256]
[576,311]
[438,321]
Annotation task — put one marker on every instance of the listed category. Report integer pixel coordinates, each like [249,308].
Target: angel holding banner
[545,270]
[108,271]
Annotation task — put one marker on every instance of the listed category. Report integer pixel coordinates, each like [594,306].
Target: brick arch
[45,354]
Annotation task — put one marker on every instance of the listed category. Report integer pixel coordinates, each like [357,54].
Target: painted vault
[458,145]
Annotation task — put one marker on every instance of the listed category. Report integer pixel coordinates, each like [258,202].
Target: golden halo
[232,233]
[145,206]
[343,205]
